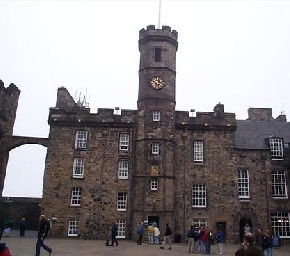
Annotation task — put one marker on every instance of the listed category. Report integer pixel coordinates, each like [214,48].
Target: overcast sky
[233,52]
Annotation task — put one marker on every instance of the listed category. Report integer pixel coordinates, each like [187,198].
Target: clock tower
[157,71]
[154,173]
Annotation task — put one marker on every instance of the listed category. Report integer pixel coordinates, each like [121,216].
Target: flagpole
[159,15]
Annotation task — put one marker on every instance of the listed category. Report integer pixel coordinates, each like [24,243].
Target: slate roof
[252,134]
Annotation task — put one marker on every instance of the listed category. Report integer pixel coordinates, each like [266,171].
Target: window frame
[276,148]
[156,116]
[279,185]
[73,227]
[78,167]
[199,223]
[124,142]
[81,140]
[76,194]
[243,184]
[123,169]
[155,148]
[121,224]
[280,222]
[157,54]
[198,151]
[154,184]
[199,196]
[122,200]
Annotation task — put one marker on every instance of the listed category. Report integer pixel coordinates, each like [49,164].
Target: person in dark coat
[114,234]
[248,248]
[167,237]
[190,236]
[258,237]
[267,245]
[43,229]
[22,227]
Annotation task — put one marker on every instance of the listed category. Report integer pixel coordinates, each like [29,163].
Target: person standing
[22,227]
[247,229]
[267,243]
[43,229]
[167,237]
[150,232]
[114,234]
[156,235]
[258,237]
[190,237]
[140,232]
[219,239]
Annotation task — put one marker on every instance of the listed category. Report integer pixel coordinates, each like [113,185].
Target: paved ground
[74,247]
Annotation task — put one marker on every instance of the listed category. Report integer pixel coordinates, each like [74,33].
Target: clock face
[157,82]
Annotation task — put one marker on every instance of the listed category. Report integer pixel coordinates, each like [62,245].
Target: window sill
[78,177]
[245,200]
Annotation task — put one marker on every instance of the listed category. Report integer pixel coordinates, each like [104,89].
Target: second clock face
[157,82]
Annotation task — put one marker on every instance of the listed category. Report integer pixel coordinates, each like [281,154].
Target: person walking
[190,237]
[43,229]
[114,233]
[167,237]
[219,239]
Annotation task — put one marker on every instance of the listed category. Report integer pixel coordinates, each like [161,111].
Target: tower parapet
[157,34]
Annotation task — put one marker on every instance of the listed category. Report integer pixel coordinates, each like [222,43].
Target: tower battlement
[152,31]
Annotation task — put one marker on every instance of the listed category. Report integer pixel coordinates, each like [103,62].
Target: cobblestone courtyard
[75,247]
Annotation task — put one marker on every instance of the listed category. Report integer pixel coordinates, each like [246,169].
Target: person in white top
[156,235]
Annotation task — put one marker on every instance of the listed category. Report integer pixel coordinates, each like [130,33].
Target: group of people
[153,233]
[201,238]
[258,244]
[6,227]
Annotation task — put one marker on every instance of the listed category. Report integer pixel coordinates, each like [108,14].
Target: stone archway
[246,217]
[7,144]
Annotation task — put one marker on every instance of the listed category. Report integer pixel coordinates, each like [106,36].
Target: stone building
[159,164]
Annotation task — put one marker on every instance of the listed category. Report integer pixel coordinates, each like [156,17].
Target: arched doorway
[25,169]
[245,221]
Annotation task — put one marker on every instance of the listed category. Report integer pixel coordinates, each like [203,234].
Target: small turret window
[158,54]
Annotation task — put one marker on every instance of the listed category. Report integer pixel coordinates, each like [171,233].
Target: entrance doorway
[152,219]
[222,227]
[244,222]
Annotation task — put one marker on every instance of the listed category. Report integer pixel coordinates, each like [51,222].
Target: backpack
[4,250]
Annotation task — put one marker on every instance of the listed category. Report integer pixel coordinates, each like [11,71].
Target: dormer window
[276,147]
